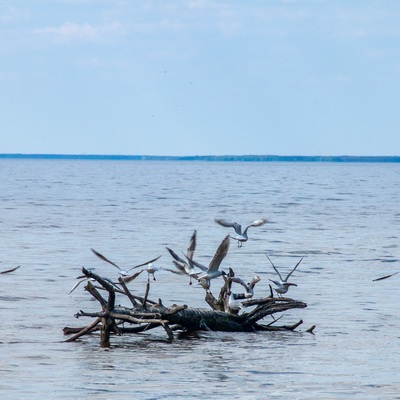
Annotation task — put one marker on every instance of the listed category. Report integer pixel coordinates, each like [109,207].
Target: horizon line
[226,157]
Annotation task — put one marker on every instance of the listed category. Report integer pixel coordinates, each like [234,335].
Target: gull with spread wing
[240,236]
[212,271]
[121,271]
[183,266]
[283,284]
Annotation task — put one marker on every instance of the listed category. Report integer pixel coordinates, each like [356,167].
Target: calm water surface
[343,219]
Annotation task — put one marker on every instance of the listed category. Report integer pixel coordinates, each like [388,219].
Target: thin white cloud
[73,31]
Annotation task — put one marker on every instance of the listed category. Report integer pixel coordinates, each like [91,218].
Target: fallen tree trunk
[146,314]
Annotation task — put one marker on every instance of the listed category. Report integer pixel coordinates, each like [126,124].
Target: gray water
[342,218]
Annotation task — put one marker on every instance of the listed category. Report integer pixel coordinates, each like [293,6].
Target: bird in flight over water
[121,271]
[282,286]
[213,270]
[385,277]
[240,236]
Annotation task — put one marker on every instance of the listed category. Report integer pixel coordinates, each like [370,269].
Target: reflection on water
[342,218]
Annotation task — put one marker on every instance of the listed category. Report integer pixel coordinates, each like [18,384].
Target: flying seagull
[151,269]
[121,271]
[9,270]
[183,266]
[248,287]
[385,277]
[240,236]
[283,284]
[212,271]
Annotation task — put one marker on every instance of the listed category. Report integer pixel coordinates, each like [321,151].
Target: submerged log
[146,314]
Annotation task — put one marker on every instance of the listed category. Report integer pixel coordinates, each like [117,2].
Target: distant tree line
[242,158]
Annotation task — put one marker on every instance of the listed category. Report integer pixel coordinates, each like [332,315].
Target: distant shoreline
[229,158]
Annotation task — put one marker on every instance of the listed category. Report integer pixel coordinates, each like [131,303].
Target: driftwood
[146,314]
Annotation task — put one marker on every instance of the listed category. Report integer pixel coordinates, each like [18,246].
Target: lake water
[343,218]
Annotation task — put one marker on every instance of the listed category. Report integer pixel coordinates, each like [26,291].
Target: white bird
[249,287]
[241,236]
[235,302]
[121,271]
[151,269]
[283,284]
[212,271]
[183,266]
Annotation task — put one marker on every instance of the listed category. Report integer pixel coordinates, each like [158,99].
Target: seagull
[183,266]
[249,287]
[212,271]
[235,301]
[283,285]
[151,269]
[240,236]
[385,277]
[121,271]
[84,278]
[9,270]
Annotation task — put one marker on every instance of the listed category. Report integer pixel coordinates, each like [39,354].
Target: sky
[200,77]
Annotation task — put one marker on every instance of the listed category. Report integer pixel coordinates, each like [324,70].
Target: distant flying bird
[121,271]
[212,271]
[241,236]
[283,284]
[385,277]
[9,270]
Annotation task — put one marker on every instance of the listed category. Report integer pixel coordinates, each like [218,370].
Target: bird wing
[77,284]
[175,256]
[178,262]
[195,264]
[192,246]
[145,263]
[234,225]
[130,278]
[240,281]
[9,270]
[259,222]
[280,277]
[219,255]
[384,277]
[105,259]
[294,269]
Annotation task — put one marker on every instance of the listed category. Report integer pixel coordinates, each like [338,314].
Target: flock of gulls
[185,264]
[203,275]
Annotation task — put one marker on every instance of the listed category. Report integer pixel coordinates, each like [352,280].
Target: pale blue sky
[200,77]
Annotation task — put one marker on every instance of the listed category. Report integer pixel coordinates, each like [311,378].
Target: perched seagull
[235,301]
[121,271]
[385,277]
[212,271]
[183,266]
[283,285]
[240,236]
